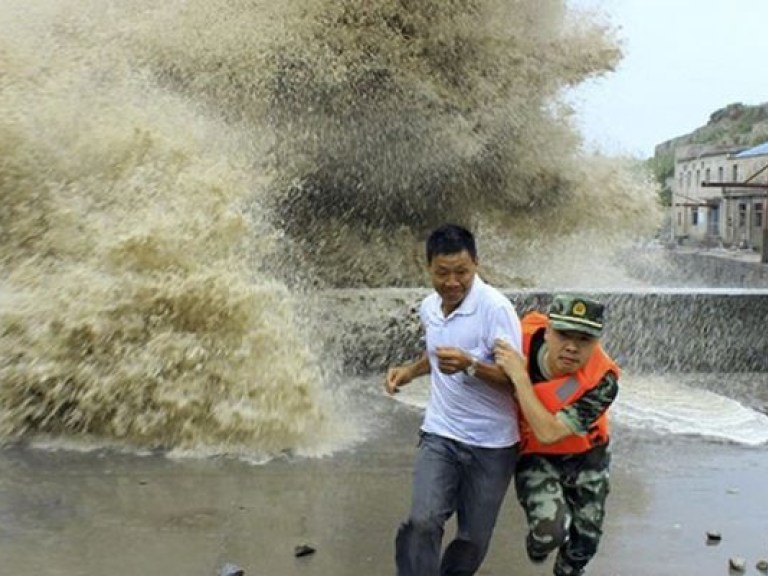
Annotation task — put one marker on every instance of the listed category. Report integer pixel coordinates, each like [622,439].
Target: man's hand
[400,375]
[396,377]
[452,360]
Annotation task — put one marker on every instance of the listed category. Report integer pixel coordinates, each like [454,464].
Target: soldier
[563,392]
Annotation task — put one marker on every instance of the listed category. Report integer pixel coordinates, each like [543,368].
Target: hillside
[734,125]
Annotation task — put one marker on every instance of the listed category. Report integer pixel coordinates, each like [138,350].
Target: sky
[683,60]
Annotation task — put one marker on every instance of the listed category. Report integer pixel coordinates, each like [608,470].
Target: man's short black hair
[450,239]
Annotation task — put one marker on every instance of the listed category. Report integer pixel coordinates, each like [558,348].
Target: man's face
[568,351]
[452,276]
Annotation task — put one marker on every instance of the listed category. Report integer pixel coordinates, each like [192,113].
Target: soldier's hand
[509,359]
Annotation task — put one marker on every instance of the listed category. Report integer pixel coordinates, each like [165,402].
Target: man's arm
[493,375]
[502,323]
[398,376]
[453,360]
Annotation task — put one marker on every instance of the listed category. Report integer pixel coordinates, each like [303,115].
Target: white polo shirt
[462,407]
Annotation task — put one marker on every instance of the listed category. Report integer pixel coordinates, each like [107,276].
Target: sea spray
[177,177]
[130,310]
[385,119]
[394,117]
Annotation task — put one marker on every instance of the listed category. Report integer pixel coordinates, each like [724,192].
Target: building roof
[701,151]
[759,150]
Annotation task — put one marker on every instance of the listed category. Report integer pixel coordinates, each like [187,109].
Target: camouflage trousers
[564,501]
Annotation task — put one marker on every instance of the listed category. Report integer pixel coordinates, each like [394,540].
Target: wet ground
[66,513]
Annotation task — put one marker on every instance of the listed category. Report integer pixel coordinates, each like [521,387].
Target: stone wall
[655,331]
[715,269]
[692,267]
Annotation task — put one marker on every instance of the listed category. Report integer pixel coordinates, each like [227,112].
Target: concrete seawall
[655,331]
[690,266]
[722,268]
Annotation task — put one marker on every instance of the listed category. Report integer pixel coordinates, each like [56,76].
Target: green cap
[576,314]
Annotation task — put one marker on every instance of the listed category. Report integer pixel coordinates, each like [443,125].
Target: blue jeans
[449,477]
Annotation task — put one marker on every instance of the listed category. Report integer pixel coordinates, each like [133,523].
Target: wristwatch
[471,370]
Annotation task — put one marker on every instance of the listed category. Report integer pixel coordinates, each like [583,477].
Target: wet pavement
[68,513]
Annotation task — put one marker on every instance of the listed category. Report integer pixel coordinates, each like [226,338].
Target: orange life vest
[561,392]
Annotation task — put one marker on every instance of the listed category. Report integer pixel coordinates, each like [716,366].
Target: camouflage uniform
[564,502]
[564,495]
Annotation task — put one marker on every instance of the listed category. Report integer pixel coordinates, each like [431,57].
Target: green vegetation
[734,125]
[662,166]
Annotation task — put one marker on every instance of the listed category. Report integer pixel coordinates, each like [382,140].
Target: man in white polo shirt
[469,437]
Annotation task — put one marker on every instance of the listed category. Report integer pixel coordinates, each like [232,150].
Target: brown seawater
[177,178]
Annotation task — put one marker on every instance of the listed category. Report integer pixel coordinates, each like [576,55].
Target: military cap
[576,314]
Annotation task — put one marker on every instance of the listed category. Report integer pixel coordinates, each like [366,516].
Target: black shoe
[537,558]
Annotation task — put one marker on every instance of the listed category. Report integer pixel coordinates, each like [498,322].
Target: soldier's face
[568,351]
[452,276]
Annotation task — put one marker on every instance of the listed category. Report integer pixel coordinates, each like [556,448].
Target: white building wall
[733,216]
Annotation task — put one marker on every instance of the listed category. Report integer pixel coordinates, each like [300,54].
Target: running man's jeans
[449,477]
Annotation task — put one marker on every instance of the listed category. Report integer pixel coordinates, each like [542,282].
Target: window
[720,174]
[735,172]
[742,215]
[695,216]
[698,177]
[679,218]
[758,215]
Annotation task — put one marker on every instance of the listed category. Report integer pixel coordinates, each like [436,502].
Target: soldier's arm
[581,415]
[547,427]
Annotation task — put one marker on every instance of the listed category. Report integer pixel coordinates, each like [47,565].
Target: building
[720,195]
